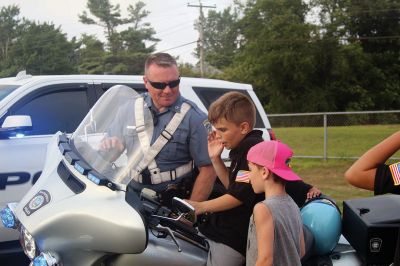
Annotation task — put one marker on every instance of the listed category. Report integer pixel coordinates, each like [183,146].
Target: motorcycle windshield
[114,136]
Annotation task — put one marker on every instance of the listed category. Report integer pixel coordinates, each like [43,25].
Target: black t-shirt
[230,227]
[384,181]
[384,184]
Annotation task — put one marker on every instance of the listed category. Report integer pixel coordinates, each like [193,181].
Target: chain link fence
[336,135]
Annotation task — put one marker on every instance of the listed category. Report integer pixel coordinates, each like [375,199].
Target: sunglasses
[162,85]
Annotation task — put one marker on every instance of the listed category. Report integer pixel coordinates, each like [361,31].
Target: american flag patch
[243,176]
[395,170]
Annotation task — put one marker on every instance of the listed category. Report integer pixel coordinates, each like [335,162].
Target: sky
[172,20]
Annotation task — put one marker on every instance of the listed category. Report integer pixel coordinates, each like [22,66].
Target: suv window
[209,95]
[138,87]
[6,89]
[54,110]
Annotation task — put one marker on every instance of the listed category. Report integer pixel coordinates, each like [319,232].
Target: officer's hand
[112,143]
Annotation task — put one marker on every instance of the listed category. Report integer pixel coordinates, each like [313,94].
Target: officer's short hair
[160,59]
[235,107]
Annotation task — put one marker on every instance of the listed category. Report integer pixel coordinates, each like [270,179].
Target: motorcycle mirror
[186,208]
[182,205]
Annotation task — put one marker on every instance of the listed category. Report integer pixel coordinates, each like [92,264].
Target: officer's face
[162,98]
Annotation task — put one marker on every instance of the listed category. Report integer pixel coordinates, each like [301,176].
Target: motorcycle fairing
[76,221]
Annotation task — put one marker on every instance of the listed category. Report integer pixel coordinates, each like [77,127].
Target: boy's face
[229,133]
[257,176]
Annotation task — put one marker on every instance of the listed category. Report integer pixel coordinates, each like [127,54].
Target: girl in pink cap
[275,235]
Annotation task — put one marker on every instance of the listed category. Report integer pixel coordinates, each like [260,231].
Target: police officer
[187,143]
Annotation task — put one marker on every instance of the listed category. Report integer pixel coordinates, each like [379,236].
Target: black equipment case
[371,226]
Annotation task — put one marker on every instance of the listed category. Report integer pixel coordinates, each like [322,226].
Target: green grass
[350,141]
[328,175]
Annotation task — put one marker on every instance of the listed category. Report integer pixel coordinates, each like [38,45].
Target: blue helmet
[322,217]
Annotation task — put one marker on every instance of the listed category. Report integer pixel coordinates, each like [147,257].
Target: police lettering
[16,178]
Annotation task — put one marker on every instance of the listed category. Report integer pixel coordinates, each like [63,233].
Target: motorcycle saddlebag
[371,226]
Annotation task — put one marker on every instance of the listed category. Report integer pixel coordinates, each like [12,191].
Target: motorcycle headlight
[8,217]
[39,261]
[44,259]
[28,243]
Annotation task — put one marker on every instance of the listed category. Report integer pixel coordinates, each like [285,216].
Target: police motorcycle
[80,213]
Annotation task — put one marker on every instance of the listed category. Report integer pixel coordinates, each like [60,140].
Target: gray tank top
[287,228]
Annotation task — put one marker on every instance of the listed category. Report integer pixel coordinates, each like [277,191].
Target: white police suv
[32,108]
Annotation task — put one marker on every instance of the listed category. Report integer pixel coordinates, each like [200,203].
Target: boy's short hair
[235,107]
[159,59]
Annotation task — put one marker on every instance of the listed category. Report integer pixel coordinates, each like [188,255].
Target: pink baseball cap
[275,156]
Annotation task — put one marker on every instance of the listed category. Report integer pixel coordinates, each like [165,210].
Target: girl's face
[257,176]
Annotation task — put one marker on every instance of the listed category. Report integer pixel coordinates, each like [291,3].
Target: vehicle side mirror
[15,124]
[13,121]
[184,207]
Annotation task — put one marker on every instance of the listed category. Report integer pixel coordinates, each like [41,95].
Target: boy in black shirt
[233,116]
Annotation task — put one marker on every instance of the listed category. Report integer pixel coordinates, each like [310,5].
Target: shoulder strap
[139,121]
[160,142]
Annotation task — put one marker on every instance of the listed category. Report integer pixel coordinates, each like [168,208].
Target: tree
[364,76]
[375,25]
[128,49]
[9,22]
[135,37]
[221,37]
[134,50]
[342,65]
[90,52]
[37,48]
[41,49]
[108,16]
[188,70]
[277,56]
[299,66]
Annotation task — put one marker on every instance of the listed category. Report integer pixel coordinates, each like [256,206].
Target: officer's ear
[146,82]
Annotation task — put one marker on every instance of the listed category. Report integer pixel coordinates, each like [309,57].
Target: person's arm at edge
[362,173]
[203,184]
[222,203]
[301,191]
[313,192]
[265,234]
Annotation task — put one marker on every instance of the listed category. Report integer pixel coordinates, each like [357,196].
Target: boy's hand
[196,205]
[313,192]
[215,146]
